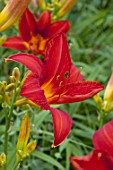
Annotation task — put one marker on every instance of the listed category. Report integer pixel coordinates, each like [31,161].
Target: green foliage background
[91,46]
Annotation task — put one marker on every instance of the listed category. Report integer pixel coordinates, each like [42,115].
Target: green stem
[5,145]
[101,118]
[8,119]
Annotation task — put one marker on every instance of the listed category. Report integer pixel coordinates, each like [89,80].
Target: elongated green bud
[66,6]
[42,4]
[108,95]
[24,133]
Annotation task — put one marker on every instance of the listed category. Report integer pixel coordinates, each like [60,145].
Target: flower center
[36,44]
[55,86]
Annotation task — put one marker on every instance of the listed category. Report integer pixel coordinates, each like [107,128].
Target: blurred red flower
[101,158]
[34,34]
[55,81]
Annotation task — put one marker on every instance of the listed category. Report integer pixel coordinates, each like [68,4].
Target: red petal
[32,90]
[62,126]
[97,160]
[75,75]
[103,138]
[80,91]
[24,28]
[31,22]
[28,60]
[15,42]
[57,61]
[56,28]
[44,21]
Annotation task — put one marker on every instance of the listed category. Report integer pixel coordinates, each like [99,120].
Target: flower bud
[7,98]
[16,73]
[2,159]
[11,12]
[42,4]
[21,101]
[30,147]
[24,133]
[10,87]
[12,79]
[4,83]
[2,86]
[24,149]
[108,95]
[25,101]
[98,100]
[66,6]
[107,107]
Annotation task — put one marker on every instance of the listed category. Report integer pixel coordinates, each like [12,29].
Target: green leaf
[41,117]
[11,160]
[48,159]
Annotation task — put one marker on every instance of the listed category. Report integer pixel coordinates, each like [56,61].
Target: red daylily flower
[53,81]
[103,139]
[102,157]
[97,160]
[34,35]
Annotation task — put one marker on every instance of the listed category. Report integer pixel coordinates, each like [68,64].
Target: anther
[57,78]
[66,75]
[61,83]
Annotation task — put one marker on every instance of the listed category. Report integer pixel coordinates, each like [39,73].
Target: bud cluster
[58,8]
[7,89]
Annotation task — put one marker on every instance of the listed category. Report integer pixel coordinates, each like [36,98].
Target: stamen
[61,83]
[66,75]
[57,78]
[99,155]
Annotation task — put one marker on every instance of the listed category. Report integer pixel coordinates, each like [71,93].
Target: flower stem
[101,118]
[8,119]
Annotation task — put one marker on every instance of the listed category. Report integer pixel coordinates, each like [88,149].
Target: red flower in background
[35,34]
[102,157]
[53,81]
